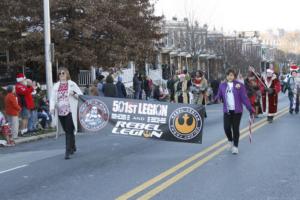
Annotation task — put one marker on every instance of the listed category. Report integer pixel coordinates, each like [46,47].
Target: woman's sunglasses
[61,73]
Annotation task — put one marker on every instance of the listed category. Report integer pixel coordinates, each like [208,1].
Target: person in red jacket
[24,93]
[270,91]
[12,110]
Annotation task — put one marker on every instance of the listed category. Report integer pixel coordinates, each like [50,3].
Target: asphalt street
[107,167]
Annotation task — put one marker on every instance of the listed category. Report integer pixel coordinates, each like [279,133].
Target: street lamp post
[47,37]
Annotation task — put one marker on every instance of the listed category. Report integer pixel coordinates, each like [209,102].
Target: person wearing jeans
[233,94]
[63,103]
[12,110]
[291,87]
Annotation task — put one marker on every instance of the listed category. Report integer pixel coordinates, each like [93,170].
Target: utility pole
[47,36]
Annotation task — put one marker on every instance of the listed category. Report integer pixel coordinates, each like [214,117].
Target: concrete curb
[34,138]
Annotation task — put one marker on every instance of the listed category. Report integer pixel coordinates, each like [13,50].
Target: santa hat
[294,68]
[20,77]
[270,71]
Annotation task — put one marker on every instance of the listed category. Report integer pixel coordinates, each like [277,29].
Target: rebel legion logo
[185,123]
[93,115]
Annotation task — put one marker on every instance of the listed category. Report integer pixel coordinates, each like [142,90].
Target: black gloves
[269,90]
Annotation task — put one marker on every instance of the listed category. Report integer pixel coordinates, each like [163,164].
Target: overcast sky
[236,14]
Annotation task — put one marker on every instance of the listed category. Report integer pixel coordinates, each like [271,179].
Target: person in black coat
[110,89]
[215,86]
[121,90]
[171,87]
[137,85]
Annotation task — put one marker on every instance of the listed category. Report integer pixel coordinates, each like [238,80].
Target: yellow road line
[168,172]
[190,169]
[182,174]
[177,167]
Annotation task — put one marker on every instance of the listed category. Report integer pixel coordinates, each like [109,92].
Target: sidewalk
[21,140]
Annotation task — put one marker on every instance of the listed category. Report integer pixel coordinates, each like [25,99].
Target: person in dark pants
[63,103]
[109,88]
[215,85]
[291,87]
[171,88]
[121,88]
[234,96]
[137,85]
[141,79]
[68,126]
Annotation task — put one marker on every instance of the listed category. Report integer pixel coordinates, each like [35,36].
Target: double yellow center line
[217,150]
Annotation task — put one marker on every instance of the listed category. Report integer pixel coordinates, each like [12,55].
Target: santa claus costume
[25,100]
[270,91]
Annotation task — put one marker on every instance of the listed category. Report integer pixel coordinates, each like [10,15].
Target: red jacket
[25,98]
[11,105]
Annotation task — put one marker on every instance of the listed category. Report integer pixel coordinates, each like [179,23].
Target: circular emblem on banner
[185,123]
[93,115]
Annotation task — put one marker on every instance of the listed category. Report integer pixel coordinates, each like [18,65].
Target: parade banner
[148,119]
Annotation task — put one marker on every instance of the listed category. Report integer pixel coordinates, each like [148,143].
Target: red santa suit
[270,93]
[25,98]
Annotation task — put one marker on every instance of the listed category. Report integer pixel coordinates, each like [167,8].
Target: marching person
[181,90]
[171,87]
[292,85]
[252,84]
[270,91]
[233,94]
[63,102]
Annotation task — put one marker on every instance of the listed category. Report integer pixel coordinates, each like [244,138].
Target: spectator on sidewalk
[93,90]
[25,101]
[2,96]
[161,93]
[86,90]
[121,90]
[100,85]
[171,87]
[64,102]
[148,84]
[12,110]
[142,80]
[5,131]
[33,118]
[109,88]
[44,115]
[137,85]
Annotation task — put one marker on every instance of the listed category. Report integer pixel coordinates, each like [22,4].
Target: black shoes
[270,119]
[72,151]
[67,156]
[292,110]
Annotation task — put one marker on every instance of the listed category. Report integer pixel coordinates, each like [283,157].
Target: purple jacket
[240,97]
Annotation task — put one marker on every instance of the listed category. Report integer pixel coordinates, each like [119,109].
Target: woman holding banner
[233,94]
[63,104]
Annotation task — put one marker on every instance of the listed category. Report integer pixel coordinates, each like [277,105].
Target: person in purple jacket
[233,94]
